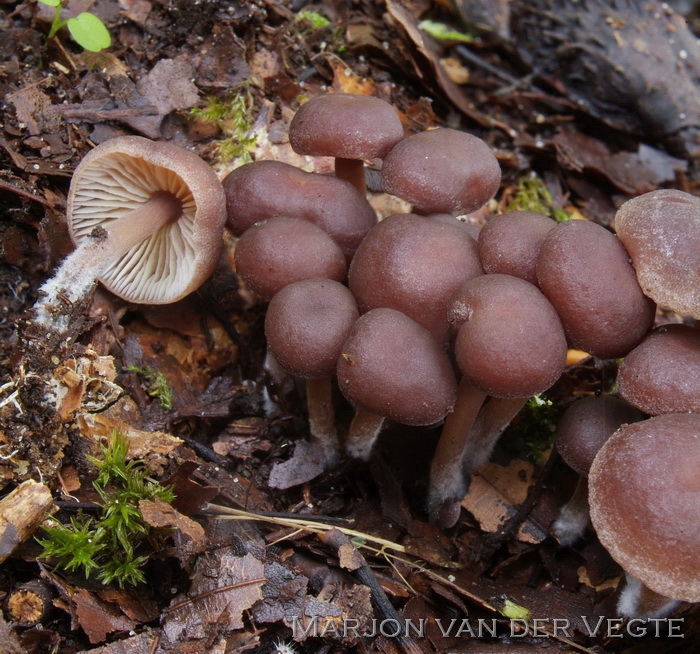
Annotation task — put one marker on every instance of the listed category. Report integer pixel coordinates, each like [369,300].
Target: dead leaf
[160,514]
[307,463]
[98,618]
[223,587]
[496,492]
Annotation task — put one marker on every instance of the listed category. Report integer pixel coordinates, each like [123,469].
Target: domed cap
[509,243]
[307,323]
[510,341]
[662,374]
[345,125]
[122,174]
[586,274]
[442,171]
[413,264]
[644,495]
[266,189]
[587,424]
[280,251]
[391,367]
[661,232]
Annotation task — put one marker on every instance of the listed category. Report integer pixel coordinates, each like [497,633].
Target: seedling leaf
[89,32]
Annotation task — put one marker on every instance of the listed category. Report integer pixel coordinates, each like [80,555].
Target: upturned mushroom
[391,368]
[582,430]
[147,218]
[662,374]
[586,274]
[442,171]
[306,325]
[510,345]
[414,264]
[644,493]
[661,232]
[351,128]
[279,251]
[267,189]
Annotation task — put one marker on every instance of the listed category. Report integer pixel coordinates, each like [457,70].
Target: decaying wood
[30,603]
[21,512]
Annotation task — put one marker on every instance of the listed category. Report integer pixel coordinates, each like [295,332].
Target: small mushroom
[414,264]
[582,430]
[644,493]
[586,274]
[148,220]
[662,374]
[442,171]
[267,189]
[661,232]
[510,345]
[349,127]
[279,251]
[509,243]
[306,325]
[390,367]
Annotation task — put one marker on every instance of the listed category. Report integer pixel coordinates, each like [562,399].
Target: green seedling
[444,33]
[533,195]
[86,28]
[105,545]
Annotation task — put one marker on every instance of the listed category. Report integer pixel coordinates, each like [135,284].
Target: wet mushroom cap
[413,264]
[442,171]
[509,243]
[586,274]
[661,232]
[345,125]
[119,176]
[390,366]
[662,374]
[644,495]
[587,424]
[510,342]
[266,189]
[282,250]
[306,325]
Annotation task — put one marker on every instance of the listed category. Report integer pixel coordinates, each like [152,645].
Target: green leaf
[89,31]
[50,3]
[442,32]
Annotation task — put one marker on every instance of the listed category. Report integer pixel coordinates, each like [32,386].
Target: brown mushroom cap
[413,264]
[346,126]
[266,189]
[662,374]
[282,250]
[644,495]
[122,174]
[510,341]
[390,366]
[509,243]
[586,274]
[661,232]
[587,424]
[306,325]
[442,171]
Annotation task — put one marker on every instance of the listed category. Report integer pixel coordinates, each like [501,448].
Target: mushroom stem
[574,516]
[353,171]
[319,399]
[447,480]
[491,422]
[364,431]
[78,273]
[639,601]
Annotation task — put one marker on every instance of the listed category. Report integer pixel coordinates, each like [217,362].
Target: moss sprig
[106,546]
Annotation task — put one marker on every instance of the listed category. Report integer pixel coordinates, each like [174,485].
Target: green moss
[533,195]
[537,424]
[105,546]
[156,385]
